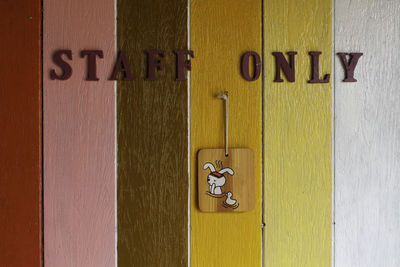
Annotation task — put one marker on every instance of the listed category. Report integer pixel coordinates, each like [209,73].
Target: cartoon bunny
[216,179]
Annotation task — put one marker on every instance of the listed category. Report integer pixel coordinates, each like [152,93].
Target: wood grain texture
[79,137]
[367,135]
[20,134]
[152,138]
[219,36]
[298,137]
[238,181]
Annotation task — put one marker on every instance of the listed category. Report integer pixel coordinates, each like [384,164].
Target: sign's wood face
[225,183]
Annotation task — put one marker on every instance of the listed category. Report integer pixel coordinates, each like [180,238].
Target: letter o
[245,66]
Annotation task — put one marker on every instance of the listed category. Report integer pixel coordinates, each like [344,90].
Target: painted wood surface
[367,134]
[297,137]
[79,137]
[152,138]
[219,38]
[20,134]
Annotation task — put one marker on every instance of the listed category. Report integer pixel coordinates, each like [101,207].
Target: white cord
[224,96]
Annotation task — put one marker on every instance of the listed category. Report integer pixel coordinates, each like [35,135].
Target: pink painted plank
[79,137]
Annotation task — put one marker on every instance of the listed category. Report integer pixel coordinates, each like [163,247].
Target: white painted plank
[367,135]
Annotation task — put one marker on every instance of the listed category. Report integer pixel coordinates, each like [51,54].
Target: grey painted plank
[367,134]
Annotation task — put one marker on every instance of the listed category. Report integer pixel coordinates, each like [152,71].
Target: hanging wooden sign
[226,183]
[226,176]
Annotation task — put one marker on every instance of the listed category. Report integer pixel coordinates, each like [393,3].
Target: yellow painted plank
[298,137]
[221,31]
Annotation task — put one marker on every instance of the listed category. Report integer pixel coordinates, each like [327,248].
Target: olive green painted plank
[152,138]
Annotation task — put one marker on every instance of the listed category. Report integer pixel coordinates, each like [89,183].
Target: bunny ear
[209,166]
[228,170]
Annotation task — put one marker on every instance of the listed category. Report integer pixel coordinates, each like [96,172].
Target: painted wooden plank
[219,38]
[297,137]
[79,137]
[152,138]
[20,134]
[367,120]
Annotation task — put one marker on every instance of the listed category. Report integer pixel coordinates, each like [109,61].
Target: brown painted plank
[79,137]
[20,134]
[152,138]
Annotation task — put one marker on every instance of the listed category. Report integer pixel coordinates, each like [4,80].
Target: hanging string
[224,96]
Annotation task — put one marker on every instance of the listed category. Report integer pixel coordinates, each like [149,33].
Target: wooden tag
[226,183]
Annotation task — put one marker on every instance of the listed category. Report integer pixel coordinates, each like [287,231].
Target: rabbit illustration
[216,179]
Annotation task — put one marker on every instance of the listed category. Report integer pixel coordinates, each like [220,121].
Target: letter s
[66,68]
